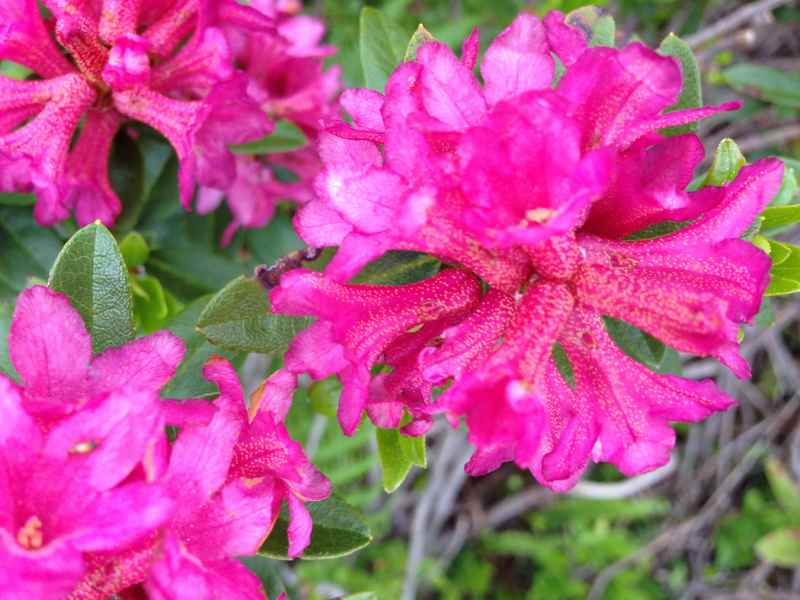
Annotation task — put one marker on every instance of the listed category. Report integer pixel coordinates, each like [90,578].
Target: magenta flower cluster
[94,498]
[528,185]
[205,73]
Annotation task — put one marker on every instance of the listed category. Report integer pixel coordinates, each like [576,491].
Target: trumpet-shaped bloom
[359,327]
[534,185]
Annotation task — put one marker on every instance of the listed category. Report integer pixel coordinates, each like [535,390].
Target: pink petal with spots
[376,315]
[632,405]
[650,184]
[145,364]
[691,297]
[87,187]
[24,39]
[449,92]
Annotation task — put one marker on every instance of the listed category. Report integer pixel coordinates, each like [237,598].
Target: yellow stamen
[30,535]
[539,215]
[83,447]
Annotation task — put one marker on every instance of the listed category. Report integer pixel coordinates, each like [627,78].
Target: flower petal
[632,405]
[50,349]
[517,61]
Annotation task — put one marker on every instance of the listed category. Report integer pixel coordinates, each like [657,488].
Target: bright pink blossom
[165,64]
[360,326]
[287,78]
[95,501]
[229,476]
[51,516]
[533,186]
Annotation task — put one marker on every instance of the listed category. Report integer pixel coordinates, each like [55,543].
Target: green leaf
[126,170]
[238,318]
[728,161]
[16,199]
[783,266]
[781,547]
[692,91]
[765,83]
[596,23]
[276,240]
[284,138]
[383,46]
[268,572]
[785,271]
[421,36]
[781,286]
[6,313]
[761,242]
[785,489]
[398,453]
[90,270]
[185,255]
[14,70]
[135,250]
[150,303]
[188,381]
[776,217]
[634,342]
[779,252]
[398,268]
[339,530]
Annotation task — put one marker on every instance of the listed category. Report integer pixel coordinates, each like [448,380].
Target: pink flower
[229,476]
[161,64]
[361,326]
[91,486]
[52,352]
[533,188]
[52,515]
[287,79]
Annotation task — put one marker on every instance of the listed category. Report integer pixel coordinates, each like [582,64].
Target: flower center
[30,535]
[538,216]
[83,447]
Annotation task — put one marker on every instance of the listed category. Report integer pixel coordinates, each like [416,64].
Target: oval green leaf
[383,46]
[398,453]
[692,90]
[239,318]
[6,313]
[91,271]
[339,530]
[776,217]
[765,83]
